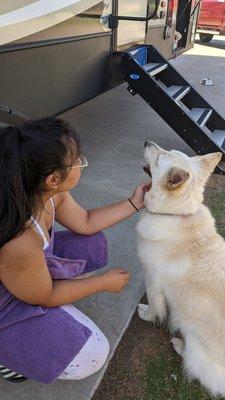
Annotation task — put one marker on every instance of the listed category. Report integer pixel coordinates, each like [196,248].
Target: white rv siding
[37,16]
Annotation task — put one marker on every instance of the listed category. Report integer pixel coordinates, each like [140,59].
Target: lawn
[165,380]
[145,366]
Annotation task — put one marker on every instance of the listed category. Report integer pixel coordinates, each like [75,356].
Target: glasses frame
[83,164]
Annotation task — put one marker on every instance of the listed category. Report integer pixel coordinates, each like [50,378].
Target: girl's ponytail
[13,198]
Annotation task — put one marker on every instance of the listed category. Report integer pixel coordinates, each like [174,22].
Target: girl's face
[73,175]
[54,183]
[71,180]
[73,167]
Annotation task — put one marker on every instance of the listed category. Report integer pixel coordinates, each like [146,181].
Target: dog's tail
[207,369]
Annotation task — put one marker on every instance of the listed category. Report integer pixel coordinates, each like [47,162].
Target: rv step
[219,137]
[200,115]
[174,99]
[177,92]
[154,68]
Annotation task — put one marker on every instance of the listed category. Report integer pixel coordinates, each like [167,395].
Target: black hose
[13,111]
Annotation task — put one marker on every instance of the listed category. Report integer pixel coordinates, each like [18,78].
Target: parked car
[211,19]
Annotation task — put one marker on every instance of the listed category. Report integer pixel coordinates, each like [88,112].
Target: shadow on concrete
[215,43]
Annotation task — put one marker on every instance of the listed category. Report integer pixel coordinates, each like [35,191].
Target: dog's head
[177,180]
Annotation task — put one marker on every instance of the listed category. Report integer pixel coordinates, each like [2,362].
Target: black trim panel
[45,80]
[51,42]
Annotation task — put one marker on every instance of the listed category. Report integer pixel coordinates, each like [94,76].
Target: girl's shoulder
[22,264]
[25,243]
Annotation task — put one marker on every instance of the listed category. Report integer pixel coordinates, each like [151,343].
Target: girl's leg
[92,248]
[93,354]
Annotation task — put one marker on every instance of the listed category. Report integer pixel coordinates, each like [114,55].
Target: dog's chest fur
[166,244]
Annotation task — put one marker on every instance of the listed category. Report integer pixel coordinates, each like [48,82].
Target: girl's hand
[115,280]
[138,196]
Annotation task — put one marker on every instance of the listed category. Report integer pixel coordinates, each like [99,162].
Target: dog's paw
[144,312]
[178,345]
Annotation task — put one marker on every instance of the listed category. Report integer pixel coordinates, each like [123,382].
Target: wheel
[205,37]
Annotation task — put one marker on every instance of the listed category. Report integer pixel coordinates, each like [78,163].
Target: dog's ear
[209,161]
[176,177]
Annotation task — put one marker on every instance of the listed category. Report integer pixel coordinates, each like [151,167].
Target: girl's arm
[23,271]
[71,215]
[68,291]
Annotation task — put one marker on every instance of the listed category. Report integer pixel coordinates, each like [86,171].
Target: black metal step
[177,92]
[219,137]
[200,115]
[154,68]
[174,99]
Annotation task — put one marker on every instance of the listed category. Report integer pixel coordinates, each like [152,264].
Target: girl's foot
[11,376]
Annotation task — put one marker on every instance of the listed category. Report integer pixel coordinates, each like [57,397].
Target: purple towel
[40,342]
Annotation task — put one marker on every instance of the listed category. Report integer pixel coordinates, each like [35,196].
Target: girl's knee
[99,346]
[96,252]
[91,248]
[89,360]
[105,347]
[100,247]
[97,359]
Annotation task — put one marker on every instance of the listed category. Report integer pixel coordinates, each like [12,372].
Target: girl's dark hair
[28,154]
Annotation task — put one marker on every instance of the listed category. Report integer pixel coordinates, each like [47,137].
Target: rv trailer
[57,54]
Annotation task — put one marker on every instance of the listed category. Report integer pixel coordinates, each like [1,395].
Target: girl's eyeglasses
[80,163]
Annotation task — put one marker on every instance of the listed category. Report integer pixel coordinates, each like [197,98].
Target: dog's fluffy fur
[183,258]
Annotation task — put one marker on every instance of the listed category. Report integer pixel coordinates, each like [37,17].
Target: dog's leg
[157,304]
[178,345]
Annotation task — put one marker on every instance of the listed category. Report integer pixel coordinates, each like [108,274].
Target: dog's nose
[149,143]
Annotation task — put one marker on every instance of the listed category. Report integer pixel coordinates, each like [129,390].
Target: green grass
[218,211]
[166,381]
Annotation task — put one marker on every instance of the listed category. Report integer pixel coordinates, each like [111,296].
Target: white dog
[184,261]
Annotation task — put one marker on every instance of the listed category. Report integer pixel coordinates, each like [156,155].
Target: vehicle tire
[204,37]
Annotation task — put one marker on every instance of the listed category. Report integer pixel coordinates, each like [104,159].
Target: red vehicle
[211,19]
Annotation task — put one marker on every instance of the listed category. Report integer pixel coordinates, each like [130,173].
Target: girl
[42,336]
